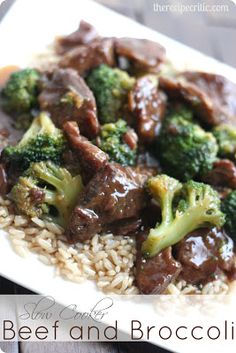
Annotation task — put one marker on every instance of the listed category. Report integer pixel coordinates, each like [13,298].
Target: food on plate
[65,95]
[198,206]
[19,96]
[114,193]
[41,142]
[46,190]
[229,208]
[83,58]
[20,92]
[186,150]
[113,168]
[85,34]
[119,141]
[110,87]
[147,105]
[142,55]
[90,157]
[223,174]
[226,139]
[212,97]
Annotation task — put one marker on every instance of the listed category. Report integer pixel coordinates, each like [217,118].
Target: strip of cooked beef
[85,34]
[223,174]
[70,161]
[66,96]
[147,164]
[222,93]
[90,157]
[212,97]
[136,225]
[114,193]
[131,139]
[153,275]
[8,134]
[143,55]
[83,58]
[148,105]
[205,253]
[125,227]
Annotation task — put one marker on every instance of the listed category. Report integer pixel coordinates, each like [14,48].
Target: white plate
[27,29]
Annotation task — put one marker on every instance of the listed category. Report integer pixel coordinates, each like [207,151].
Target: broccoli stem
[64,196]
[201,209]
[50,176]
[170,233]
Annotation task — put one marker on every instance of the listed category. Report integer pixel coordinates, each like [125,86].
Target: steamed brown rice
[107,259]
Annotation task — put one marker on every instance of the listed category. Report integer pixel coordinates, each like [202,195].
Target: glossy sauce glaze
[204,254]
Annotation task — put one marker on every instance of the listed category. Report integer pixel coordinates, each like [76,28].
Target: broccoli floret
[226,138]
[41,142]
[20,92]
[199,206]
[229,208]
[185,149]
[182,110]
[111,142]
[110,87]
[44,189]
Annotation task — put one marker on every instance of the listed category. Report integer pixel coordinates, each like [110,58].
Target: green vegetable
[20,92]
[185,149]
[41,142]
[112,143]
[229,208]
[44,189]
[110,87]
[226,138]
[199,206]
[181,110]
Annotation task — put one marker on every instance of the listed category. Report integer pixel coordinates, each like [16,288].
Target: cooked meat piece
[191,94]
[147,164]
[204,253]
[86,57]
[212,97]
[3,181]
[85,34]
[131,139]
[115,193]
[125,227]
[148,105]
[8,134]
[90,157]
[222,93]
[66,96]
[223,174]
[151,215]
[144,55]
[153,275]
[70,161]
[222,191]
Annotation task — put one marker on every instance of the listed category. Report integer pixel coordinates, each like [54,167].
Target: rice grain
[107,259]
